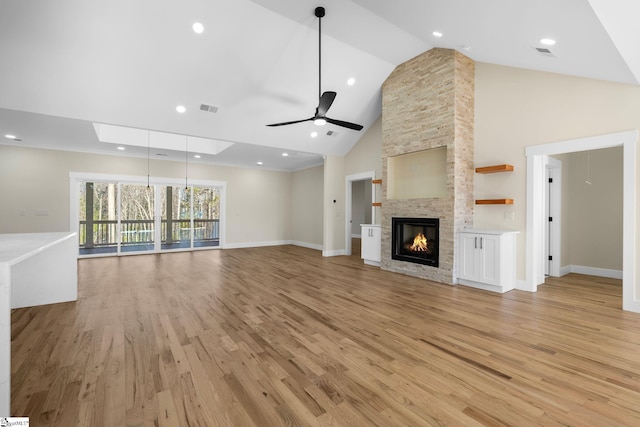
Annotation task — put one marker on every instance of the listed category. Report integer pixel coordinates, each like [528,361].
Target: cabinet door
[371,242]
[489,259]
[376,235]
[367,243]
[467,266]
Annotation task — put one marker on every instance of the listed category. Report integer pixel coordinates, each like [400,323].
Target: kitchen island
[35,269]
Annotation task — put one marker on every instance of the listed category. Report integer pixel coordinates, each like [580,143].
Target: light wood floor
[281,336]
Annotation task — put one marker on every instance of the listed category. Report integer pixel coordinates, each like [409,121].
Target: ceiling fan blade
[344,124]
[291,123]
[325,102]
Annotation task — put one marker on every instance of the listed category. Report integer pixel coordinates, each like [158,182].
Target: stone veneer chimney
[428,102]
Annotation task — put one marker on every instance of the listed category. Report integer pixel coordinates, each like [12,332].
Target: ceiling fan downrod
[320,12]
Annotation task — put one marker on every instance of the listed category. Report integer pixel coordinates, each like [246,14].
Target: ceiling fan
[326,99]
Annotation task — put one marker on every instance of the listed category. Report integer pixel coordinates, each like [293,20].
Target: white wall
[366,156]
[360,205]
[307,207]
[367,202]
[334,203]
[357,206]
[516,108]
[566,209]
[592,214]
[259,202]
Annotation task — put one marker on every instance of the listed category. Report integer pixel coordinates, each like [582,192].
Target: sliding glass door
[176,217]
[190,217]
[137,227]
[206,217]
[116,217]
[98,227]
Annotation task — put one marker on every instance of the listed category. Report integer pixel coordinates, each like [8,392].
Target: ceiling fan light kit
[324,99]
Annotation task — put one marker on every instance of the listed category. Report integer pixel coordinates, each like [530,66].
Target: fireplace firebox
[415,240]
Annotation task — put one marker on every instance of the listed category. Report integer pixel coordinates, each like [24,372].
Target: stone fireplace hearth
[428,102]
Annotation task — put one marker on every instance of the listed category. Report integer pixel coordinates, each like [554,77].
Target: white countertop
[16,247]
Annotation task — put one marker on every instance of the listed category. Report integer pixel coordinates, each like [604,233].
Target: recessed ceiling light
[121,148]
[285,154]
[314,134]
[548,42]
[320,122]
[259,163]
[9,136]
[351,81]
[198,28]
[197,156]
[437,34]
[181,109]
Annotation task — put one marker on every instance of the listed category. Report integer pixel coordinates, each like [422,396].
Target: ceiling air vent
[545,52]
[332,133]
[209,108]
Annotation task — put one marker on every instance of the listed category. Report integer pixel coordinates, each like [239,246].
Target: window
[125,216]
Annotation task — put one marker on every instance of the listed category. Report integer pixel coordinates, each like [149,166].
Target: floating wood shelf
[494,202]
[376,181]
[494,169]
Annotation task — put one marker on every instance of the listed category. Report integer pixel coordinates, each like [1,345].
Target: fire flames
[419,243]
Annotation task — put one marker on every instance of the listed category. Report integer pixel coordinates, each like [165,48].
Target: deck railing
[140,231]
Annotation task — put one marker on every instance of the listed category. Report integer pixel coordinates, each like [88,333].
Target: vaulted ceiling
[67,64]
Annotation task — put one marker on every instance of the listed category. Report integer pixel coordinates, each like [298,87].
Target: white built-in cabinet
[487,259]
[371,236]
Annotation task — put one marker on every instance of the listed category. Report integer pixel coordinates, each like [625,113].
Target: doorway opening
[359,190]
[536,207]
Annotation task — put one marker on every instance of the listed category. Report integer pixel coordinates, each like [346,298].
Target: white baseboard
[593,271]
[522,285]
[256,244]
[356,236]
[564,270]
[273,243]
[633,306]
[337,252]
[483,286]
[590,271]
[307,245]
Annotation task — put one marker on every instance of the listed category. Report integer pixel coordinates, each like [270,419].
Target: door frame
[536,207]
[349,179]
[553,209]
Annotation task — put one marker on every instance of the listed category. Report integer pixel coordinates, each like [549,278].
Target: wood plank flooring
[280,336]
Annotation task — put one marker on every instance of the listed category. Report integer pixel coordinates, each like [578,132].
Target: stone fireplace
[428,103]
